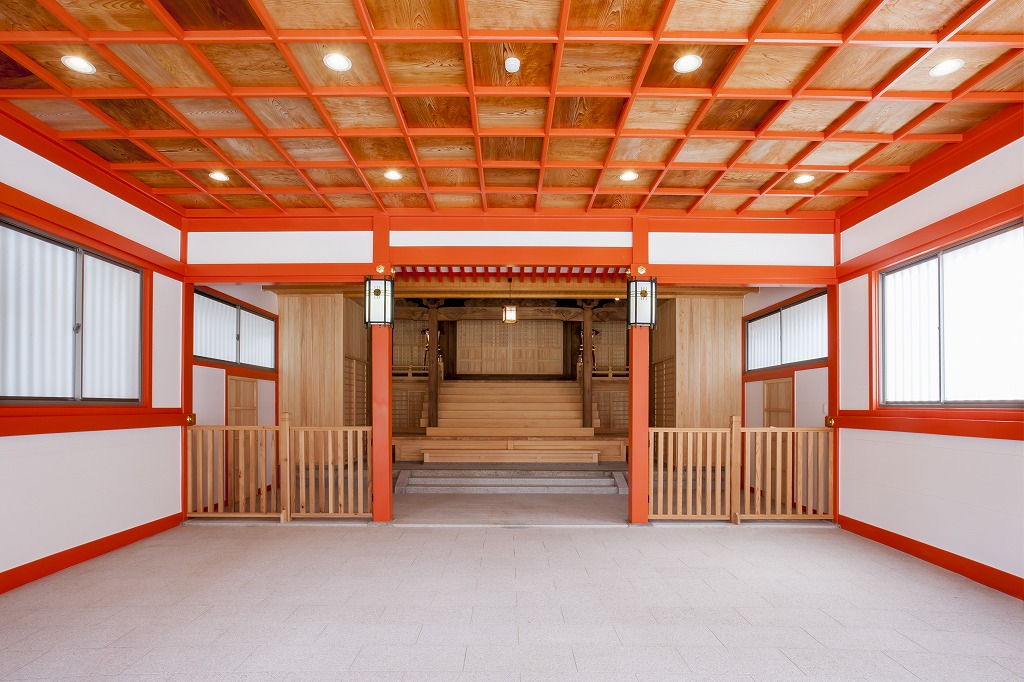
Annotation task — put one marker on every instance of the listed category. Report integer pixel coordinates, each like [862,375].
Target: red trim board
[978,572]
[40,568]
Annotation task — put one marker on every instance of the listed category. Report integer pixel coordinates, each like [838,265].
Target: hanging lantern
[379,301]
[642,302]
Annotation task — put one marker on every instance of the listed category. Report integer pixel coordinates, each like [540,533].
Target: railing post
[284,441]
[735,474]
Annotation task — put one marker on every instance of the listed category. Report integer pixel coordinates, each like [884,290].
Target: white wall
[166,342]
[810,397]
[753,404]
[250,292]
[280,247]
[767,296]
[266,402]
[741,248]
[854,346]
[63,490]
[959,494]
[209,391]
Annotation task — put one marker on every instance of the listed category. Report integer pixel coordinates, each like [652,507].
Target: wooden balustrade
[331,471]
[234,471]
[741,473]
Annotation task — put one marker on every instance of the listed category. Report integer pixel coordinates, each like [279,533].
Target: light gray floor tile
[200,660]
[862,639]
[824,664]
[547,658]
[941,667]
[628,659]
[299,658]
[760,636]
[671,634]
[88,663]
[416,658]
[965,643]
[433,634]
[763,663]
[558,633]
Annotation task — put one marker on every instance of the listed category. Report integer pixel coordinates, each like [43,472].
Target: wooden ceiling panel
[646,179]
[313,148]
[914,16]
[605,65]
[1010,78]
[204,179]
[722,202]
[744,180]
[48,56]
[27,15]
[298,200]
[163,65]
[244,201]
[193,200]
[958,117]
[136,114]
[772,151]
[860,67]
[361,112]
[511,148]
[860,181]
[774,66]
[660,74]
[275,177]
[826,203]
[14,76]
[448,200]
[352,200]
[250,65]
[570,177]
[452,177]
[413,15]
[436,112]
[534,70]
[445,148]
[182,149]
[313,14]
[885,116]
[737,114]
[581,149]
[117,151]
[698,150]
[162,179]
[670,202]
[809,115]
[902,154]
[292,113]
[1001,17]
[248,149]
[511,177]
[222,15]
[613,15]
[424,63]
[654,149]
[587,112]
[211,113]
[564,200]
[658,113]
[404,200]
[379,148]
[513,15]
[714,15]
[838,153]
[310,57]
[111,15]
[818,180]
[512,112]
[975,59]
[334,177]
[688,179]
[814,16]
[773,203]
[509,200]
[621,201]
[378,181]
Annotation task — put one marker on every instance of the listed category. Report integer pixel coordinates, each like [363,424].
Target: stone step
[513,490]
[508,473]
[511,481]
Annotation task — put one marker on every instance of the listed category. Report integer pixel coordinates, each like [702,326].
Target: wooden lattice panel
[492,347]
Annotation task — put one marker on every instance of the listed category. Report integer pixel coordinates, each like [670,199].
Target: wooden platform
[546,456]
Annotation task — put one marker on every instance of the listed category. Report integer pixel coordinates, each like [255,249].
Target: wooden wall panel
[663,366]
[491,347]
[708,360]
[407,343]
[312,372]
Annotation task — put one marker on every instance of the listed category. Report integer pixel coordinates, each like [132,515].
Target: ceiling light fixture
[803,179]
[337,61]
[512,64]
[77,64]
[393,175]
[945,68]
[688,63]
[629,176]
[219,176]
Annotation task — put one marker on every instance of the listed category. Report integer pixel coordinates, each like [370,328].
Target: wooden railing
[741,473]
[279,471]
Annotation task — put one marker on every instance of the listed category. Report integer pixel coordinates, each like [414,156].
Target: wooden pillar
[639,398]
[433,371]
[588,363]
[380,371]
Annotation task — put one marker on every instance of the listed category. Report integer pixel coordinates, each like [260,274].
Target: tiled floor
[517,509]
[713,602]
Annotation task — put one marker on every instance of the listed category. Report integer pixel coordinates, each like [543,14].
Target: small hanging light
[642,298]
[379,300]
[508,311]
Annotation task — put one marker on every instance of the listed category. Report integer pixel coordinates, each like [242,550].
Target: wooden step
[510,456]
[510,423]
[503,431]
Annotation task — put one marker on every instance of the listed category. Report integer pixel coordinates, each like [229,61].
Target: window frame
[778,310]
[239,307]
[78,368]
[879,303]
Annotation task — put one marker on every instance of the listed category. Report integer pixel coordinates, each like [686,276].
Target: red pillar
[380,370]
[639,399]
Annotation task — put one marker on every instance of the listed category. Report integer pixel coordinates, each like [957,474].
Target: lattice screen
[491,347]
[407,343]
[610,344]
[664,381]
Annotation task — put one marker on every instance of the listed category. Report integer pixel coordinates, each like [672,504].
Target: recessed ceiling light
[512,64]
[77,64]
[393,175]
[945,68]
[219,176]
[337,61]
[803,179]
[688,63]
[629,176]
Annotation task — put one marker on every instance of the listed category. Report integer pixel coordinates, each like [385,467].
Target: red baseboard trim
[978,572]
[40,568]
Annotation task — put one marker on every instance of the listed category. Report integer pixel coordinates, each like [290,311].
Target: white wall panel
[250,292]
[753,404]
[166,342]
[510,238]
[810,397]
[209,395]
[63,490]
[959,494]
[990,176]
[766,297]
[227,248]
[854,381]
[707,248]
[266,402]
[30,173]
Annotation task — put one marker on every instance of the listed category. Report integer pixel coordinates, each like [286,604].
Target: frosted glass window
[215,330]
[256,339]
[111,331]
[37,317]
[764,342]
[910,333]
[805,331]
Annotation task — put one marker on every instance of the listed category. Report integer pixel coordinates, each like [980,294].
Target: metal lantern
[642,302]
[379,301]
[508,311]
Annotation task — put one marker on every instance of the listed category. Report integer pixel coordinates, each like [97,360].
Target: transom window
[794,334]
[231,333]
